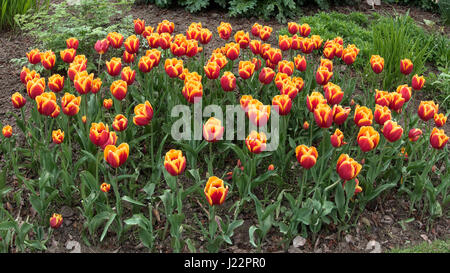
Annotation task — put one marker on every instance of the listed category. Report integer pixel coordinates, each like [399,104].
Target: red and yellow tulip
[438,138]
[228,81]
[70,104]
[256,142]
[56,83]
[337,139]
[175,162]
[306,156]
[347,167]
[363,116]
[406,66]
[377,63]
[7,131]
[392,131]
[143,114]
[120,123]
[368,138]
[18,100]
[215,191]
[57,136]
[284,104]
[56,220]
[427,110]
[46,103]
[116,156]
[213,130]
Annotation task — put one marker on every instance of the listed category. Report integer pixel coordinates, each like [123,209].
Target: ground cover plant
[105,136]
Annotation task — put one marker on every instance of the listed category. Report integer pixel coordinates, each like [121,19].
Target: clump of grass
[438,246]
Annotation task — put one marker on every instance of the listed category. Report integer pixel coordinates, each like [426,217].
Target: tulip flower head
[439,119]
[414,134]
[57,136]
[120,123]
[438,138]
[215,191]
[105,187]
[368,138]
[256,142]
[417,82]
[143,114]
[228,81]
[7,131]
[392,131]
[102,46]
[56,220]
[175,162]
[116,156]
[70,104]
[427,110]
[406,66]
[213,130]
[18,100]
[377,63]
[306,156]
[347,167]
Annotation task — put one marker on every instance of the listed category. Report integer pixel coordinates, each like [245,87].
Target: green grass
[438,246]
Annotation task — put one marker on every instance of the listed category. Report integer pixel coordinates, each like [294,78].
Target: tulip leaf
[340,200]
[111,219]
[131,200]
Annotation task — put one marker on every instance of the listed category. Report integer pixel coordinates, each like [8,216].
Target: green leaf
[111,219]
[132,201]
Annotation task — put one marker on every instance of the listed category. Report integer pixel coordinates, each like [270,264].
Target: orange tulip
[256,142]
[266,75]
[391,131]
[131,44]
[165,27]
[313,100]
[101,46]
[115,39]
[289,88]
[284,42]
[107,103]
[56,221]
[46,103]
[143,114]
[192,89]
[35,87]
[274,55]
[256,29]
[146,64]
[396,102]
[215,191]
[306,156]
[382,114]
[48,59]
[259,114]
[323,114]
[244,102]
[337,139]
[56,83]
[205,36]
[439,119]
[323,75]
[153,40]
[127,57]
[246,69]
[417,82]
[242,38]
[119,89]
[305,30]
[224,30]
[116,156]
[192,76]
[139,26]
[363,116]
[30,75]
[57,136]
[120,123]
[164,41]
[128,75]
[148,30]
[333,93]
[340,114]
[75,68]
[271,167]
[179,45]
[300,63]
[228,81]
[368,138]
[382,98]
[286,67]
[265,32]
[284,104]
[173,67]
[406,66]
[213,130]
[349,55]
[299,83]
[305,125]
[7,131]
[67,55]
[114,66]
[105,187]
[347,167]
[18,100]
[327,63]
[155,55]
[175,162]
[377,63]
[212,70]
[34,56]
[438,138]
[264,49]
[232,51]
[84,119]
[70,104]
[307,46]
[255,47]
[99,133]
[293,27]
[427,110]
[56,113]
[414,134]
[83,82]
[72,43]
[96,85]
[219,58]
[405,91]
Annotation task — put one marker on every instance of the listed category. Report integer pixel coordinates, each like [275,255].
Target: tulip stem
[99,62]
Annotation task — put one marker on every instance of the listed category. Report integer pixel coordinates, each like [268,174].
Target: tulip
[300,63]
[56,83]
[358,188]
[363,116]
[83,82]
[75,68]
[349,56]
[116,156]
[56,221]
[148,30]
[115,39]
[219,58]
[274,55]
[24,73]
[215,191]
[139,26]
[131,44]
[127,57]
[143,114]
[305,125]
[146,64]
[337,139]
[406,66]
[256,142]
[192,89]
[323,114]
[327,63]
[264,49]
[80,59]
[224,30]
[382,114]
[107,103]
[57,136]
[101,46]
[405,91]
[293,27]
[427,110]
[255,47]
[153,40]
[242,38]
[391,131]
[34,56]
[347,167]
[313,100]
[284,42]
[18,100]
[35,87]
[281,79]
[192,76]
[439,119]
[438,138]
[304,30]
[296,41]
[286,67]
[244,102]
[307,46]
[212,70]
[84,119]
[67,55]
[99,133]
[165,27]
[164,41]
[317,41]
[30,75]
[340,114]
[368,138]
[246,69]
[256,29]
[228,81]
[128,75]
[120,123]
[298,82]
[70,104]
[377,63]
[155,55]
[414,134]
[417,82]
[72,43]
[119,89]
[175,162]
[46,103]
[382,98]
[284,104]
[259,114]
[323,75]
[7,131]
[213,130]
[266,75]
[96,85]
[205,36]
[333,93]
[265,32]
[114,66]
[232,51]
[306,156]
[173,67]
[105,187]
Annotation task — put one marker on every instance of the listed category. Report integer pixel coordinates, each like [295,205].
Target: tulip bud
[306,156]
[7,131]
[438,138]
[406,66]
[175,162]
[56,221]
[228,81]
[105,187]
[215,191]
[417,82]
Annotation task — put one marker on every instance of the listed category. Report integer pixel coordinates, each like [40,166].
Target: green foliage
[444,9]
[437,246]
[88,21]
[9,9]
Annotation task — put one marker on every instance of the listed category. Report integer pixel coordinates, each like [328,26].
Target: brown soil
[381,221]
